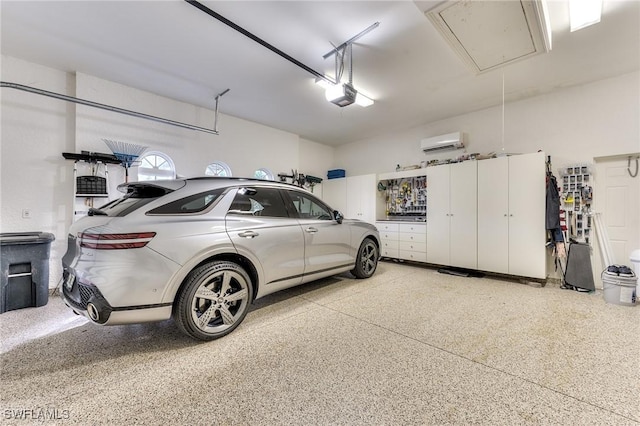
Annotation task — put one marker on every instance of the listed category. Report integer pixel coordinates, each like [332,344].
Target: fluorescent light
[583,13]
[363,101]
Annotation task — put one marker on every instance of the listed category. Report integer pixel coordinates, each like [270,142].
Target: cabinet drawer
[389,244]
[412,255]
[418,238]
[385,252]
[389,236]
[387,227]
[413,246]
[417,228]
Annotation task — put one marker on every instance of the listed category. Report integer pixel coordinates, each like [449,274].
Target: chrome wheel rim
[219,301]
[369,258]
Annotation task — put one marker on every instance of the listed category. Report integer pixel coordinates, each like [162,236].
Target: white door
[527,233]
[368,198]
[493,215]
[354,188]
[463,203]
[361,198]
[617,198]
[438,219]
[334,193]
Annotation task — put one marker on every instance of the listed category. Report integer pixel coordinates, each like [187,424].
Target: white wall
[314,159]
[573,125]
[243,145]
[36,130]
[33,174]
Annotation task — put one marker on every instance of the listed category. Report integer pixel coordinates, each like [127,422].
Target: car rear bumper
[86,300]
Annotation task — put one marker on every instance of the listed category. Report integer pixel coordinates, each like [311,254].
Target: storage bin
[25,270]
[336,173]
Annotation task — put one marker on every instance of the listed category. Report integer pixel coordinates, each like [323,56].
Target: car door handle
[311,230]
[248,234]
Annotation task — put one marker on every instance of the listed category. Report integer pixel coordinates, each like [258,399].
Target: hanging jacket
[553,203]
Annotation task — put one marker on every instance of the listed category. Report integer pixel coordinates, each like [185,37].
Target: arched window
[155,165]
[265,174]
[218,168]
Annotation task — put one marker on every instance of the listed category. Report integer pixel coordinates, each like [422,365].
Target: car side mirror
[338,216]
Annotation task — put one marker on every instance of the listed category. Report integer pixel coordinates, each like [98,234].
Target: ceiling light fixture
[583,13]
[340,92]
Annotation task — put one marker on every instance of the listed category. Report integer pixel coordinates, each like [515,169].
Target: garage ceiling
[173,49]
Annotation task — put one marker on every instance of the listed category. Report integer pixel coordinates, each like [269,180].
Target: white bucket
[619,290]
[635,261]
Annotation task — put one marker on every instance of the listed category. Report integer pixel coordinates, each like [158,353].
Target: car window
[192,204]
[309,207]
[259,202]
[136,197]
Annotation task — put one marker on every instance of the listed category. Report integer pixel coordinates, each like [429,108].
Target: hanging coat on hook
[553,206]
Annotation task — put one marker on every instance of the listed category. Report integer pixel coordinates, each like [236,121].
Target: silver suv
[201,250]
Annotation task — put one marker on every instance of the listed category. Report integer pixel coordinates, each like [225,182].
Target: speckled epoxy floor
[409,346]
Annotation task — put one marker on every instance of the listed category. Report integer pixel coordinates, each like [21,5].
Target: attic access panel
[491,34]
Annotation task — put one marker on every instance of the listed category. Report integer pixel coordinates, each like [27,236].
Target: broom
[126,152]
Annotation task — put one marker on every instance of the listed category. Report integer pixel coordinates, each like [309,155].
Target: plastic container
[619,289]
[336,174]
[24,277]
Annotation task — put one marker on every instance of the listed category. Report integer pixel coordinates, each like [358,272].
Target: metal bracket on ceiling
[349,42]
[346,49]
[217,98]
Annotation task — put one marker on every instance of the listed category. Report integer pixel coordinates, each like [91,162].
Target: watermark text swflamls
[39,413]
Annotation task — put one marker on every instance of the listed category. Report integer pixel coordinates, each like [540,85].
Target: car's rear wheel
[214,300]
[366,260]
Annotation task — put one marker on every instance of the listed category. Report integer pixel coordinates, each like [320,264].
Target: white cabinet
[353,196]
[334,193]
[388,239]
[406,241]
[493,215]
[452,224]
[361,198]
[412,241]
[511,215]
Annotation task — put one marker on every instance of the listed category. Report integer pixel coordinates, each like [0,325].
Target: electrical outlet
[26,213]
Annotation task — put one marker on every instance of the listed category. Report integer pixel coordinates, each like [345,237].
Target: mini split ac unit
[443,142]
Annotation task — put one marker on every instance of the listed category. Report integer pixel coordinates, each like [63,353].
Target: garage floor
[409,346]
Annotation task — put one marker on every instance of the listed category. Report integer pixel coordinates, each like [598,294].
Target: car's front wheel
[366,260]
[214,300]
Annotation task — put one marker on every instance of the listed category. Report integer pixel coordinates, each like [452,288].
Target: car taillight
[115,241]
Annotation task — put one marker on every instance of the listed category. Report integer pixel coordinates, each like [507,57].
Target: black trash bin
[25,270]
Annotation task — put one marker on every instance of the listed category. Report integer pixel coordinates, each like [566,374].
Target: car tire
[366,260]
[214,300]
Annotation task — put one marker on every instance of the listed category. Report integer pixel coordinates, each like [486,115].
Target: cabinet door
[334,193]
[493,215]
[463,213]
[361,198]
[527,234]
[438,181]
[368,192]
